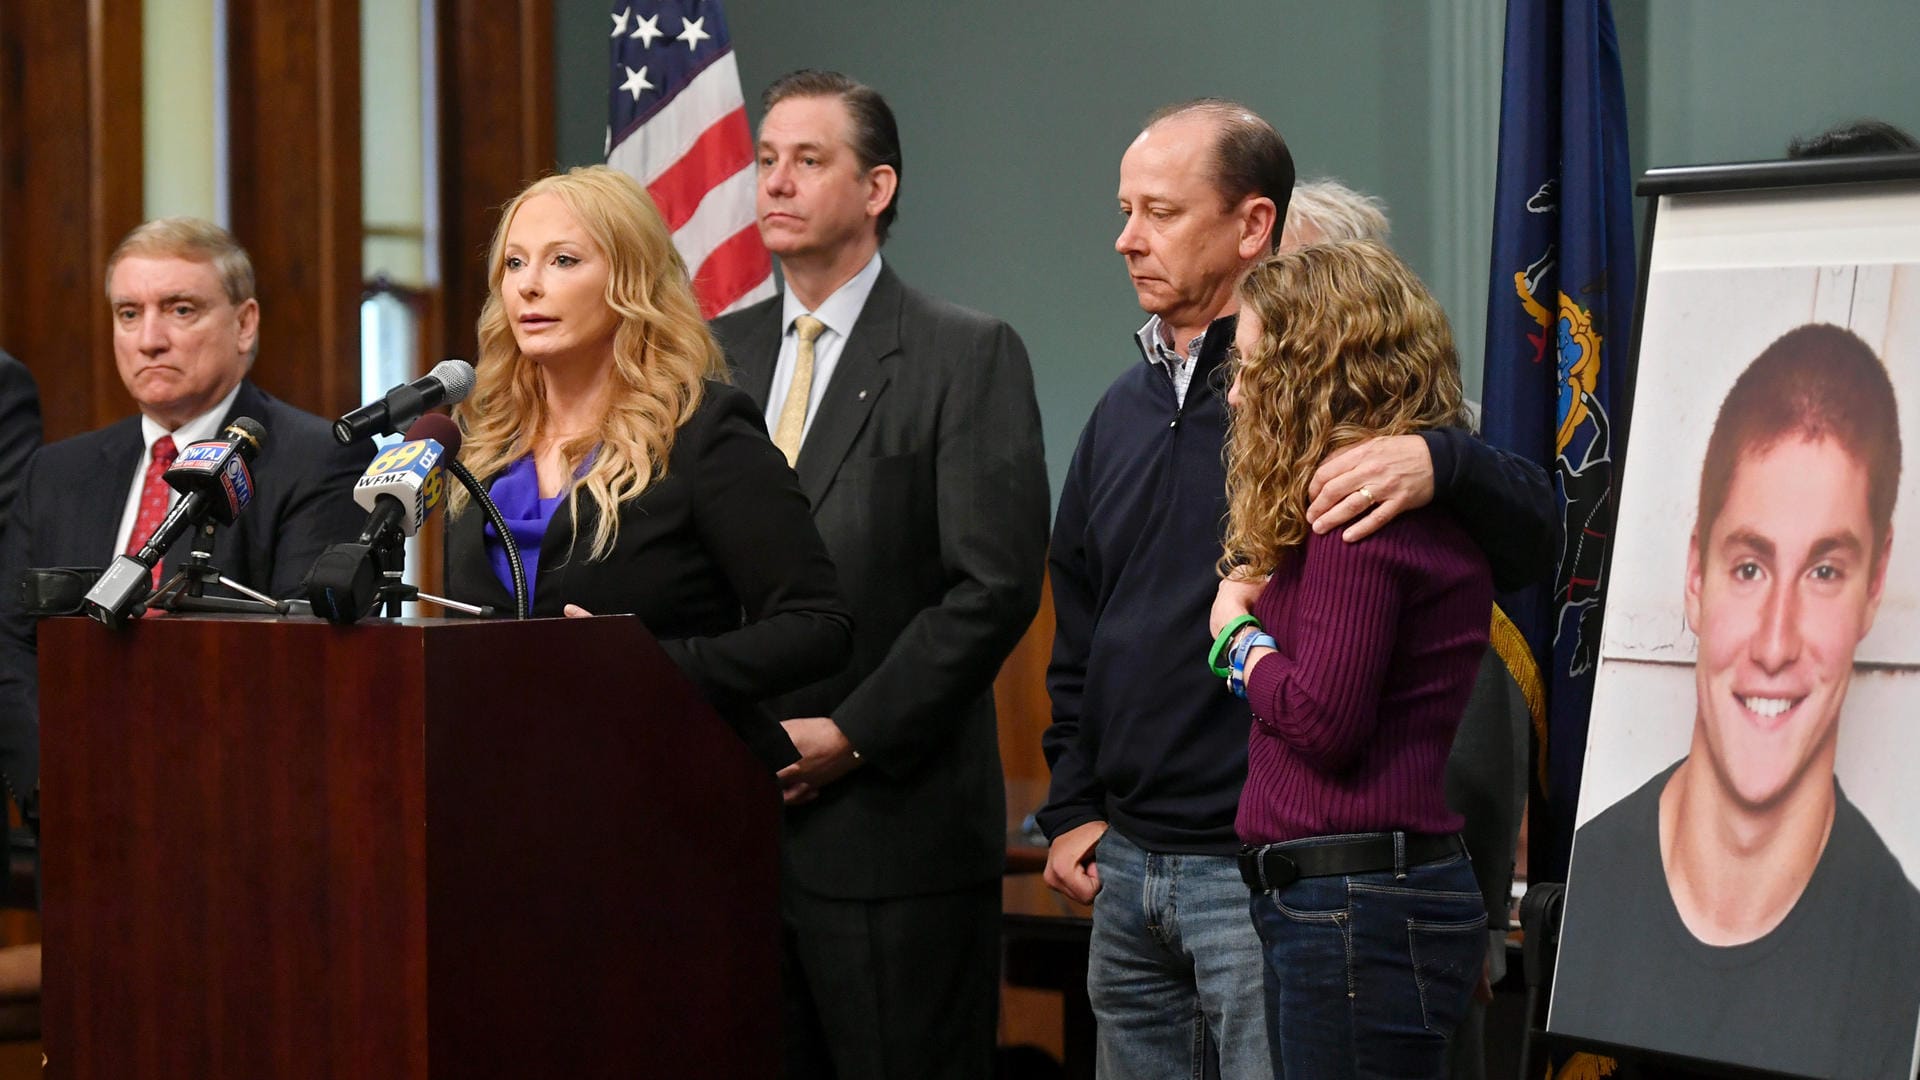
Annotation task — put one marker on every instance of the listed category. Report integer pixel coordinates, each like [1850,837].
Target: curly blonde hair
[1351,346]
[662,350]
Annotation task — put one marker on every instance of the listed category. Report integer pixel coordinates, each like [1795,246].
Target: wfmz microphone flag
[408,471]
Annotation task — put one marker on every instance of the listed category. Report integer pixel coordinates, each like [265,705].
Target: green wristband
[1220,644]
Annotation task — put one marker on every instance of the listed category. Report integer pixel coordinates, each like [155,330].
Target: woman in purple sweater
[1357,659]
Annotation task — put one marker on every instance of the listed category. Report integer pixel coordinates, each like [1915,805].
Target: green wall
[1014,116]
[1732,80]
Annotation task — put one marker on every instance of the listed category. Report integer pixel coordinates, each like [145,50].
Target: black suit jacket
[74,492]
[718,558]
[926,472]
[19,427]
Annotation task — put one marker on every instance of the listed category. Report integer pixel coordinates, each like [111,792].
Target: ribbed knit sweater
[1354,715]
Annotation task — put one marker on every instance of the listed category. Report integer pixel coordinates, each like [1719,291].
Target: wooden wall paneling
[1029,1016]
[535,64]
[293,104]
[495,98]
[70,187]
[1020,698]
[429,307]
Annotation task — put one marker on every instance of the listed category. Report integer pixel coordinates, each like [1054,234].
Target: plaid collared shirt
[1153,342]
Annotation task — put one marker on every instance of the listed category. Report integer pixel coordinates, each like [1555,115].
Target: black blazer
[927,476]
[71,500]
[19,427]
[718,558]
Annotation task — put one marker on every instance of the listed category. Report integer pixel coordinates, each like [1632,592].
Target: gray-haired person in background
[1327,211]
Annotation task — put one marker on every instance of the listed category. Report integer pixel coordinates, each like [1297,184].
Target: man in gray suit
[914,430]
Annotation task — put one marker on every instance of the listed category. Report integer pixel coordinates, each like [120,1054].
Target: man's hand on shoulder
[826,755]
[1369,484]
[1070,867]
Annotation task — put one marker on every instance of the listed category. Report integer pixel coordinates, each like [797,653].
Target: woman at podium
[1357,661]
[634,478]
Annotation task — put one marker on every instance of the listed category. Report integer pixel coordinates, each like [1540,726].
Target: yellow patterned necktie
[793,411]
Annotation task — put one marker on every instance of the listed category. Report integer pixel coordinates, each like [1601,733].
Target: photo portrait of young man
[1738,907]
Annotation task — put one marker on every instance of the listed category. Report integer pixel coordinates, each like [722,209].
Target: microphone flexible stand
[499,522]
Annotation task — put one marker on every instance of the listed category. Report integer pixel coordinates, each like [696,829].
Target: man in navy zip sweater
[1148,749]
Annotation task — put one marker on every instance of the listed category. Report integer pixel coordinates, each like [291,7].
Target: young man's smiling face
[1780,595]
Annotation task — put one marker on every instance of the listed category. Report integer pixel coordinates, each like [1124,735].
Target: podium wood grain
[420,849]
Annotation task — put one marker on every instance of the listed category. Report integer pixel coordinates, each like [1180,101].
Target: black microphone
[448,383]
[400,490]
[214,484]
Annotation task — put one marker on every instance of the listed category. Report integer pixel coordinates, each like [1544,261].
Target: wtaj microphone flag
[214,459]
[238,483]
[203,456]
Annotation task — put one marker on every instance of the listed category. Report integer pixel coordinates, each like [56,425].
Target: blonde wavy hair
[662,350]
[1351,346]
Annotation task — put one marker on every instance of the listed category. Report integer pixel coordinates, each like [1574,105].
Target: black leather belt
[1279,865]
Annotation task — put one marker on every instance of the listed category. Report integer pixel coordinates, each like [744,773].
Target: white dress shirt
[839,312]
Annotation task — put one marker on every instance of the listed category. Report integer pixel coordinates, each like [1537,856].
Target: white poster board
[1709,915]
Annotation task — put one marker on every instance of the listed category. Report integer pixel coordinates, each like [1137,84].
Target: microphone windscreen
[458,378]
[440,428]
[254,430]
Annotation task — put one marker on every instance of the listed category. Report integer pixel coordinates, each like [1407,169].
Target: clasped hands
[826,755]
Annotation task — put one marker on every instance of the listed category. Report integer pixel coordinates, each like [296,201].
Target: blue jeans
[1174,970]
[1368,974]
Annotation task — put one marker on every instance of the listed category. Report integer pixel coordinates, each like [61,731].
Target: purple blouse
[517,493]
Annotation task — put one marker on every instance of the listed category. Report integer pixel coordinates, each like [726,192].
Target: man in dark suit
[19,427]
[19,438]
[186,330]
[913,426]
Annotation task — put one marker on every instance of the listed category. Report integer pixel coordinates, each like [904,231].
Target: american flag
[676,122]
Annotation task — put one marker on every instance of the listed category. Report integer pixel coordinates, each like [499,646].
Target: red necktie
[153,498]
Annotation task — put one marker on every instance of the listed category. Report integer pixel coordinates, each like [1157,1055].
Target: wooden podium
[281,848]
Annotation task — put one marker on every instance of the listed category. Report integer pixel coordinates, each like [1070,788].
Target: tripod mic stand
[186,591]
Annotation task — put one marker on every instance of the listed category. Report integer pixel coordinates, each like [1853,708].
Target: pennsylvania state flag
[1559,319]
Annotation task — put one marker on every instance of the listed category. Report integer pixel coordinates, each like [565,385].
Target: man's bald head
[1249,156]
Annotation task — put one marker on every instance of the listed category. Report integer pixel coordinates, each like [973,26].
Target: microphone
[215,484]
[406,482]
[400,490]
[448,383]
